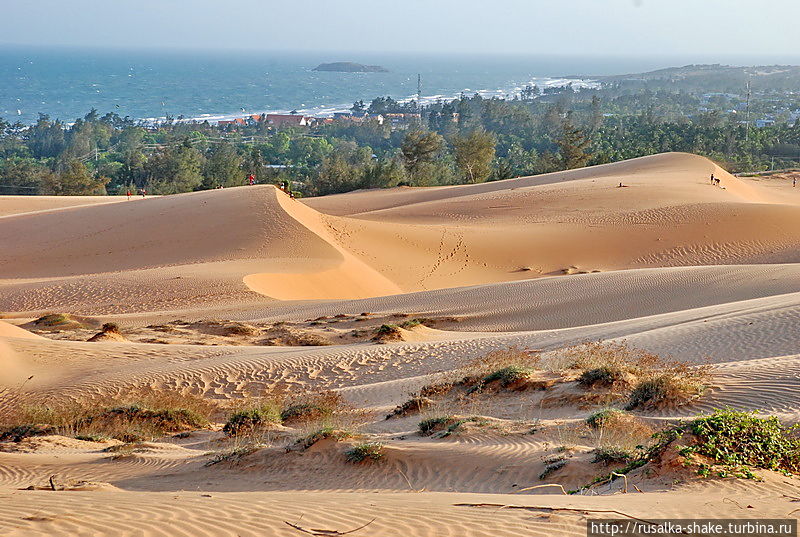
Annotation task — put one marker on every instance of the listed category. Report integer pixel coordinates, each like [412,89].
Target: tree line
[465,140]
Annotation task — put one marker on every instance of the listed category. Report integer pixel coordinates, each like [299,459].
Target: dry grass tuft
[132,416]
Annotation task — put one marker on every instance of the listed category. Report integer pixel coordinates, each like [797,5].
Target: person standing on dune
[712,179]
[129,194]
[251,179]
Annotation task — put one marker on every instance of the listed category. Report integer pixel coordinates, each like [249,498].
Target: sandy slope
[668,262]
[13,205]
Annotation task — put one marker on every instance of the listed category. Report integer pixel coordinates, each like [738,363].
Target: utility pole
[747,113]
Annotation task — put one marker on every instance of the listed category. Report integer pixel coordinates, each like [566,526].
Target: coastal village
[280,121]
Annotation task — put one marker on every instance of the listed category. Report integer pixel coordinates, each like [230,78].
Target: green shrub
[509,375]
[610,455]
[603,417]
[740,439]
[431,425]
[367,451]
[553,466]
[607,375]
[252,419]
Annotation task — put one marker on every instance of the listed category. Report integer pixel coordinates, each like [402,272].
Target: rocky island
[350,67]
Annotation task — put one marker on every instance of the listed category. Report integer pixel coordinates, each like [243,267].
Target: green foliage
[372,451]
[473,154]
[250,420]
[740,439]
[606,375]
[75,180]
[573,144]
[603,417]
[420,148]
[174,170]
[554,466]
[613,455]
[509,375]
[430,425]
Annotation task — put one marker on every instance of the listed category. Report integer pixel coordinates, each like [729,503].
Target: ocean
[151,85]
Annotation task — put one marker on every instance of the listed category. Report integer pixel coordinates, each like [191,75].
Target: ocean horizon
[149,85]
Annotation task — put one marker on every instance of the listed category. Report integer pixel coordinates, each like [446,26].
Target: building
[287,120]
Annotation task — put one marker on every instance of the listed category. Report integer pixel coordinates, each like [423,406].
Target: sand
[236,293]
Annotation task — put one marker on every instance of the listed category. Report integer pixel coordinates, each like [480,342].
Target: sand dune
[668,263]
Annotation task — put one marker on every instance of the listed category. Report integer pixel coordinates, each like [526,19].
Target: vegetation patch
[606,417]
[368,451]
[316,406]
[387,333]
[740,440]
[672,385]
[431,425]
[613,455]
[606,376]
[135,416]
[251,420]
[59,321]
[323,434]
[413,406]
[443,426]
[552,466]
[727,443]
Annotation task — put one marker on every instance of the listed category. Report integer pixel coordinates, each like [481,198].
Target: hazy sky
[703,28]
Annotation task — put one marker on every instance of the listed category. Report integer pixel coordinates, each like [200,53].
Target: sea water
[150,85]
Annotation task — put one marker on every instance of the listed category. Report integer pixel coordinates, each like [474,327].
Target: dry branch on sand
[327,533]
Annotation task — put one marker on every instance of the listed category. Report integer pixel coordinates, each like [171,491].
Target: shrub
[322,405]
[53,319]
[322,434]
[372,451]
[431,425]
[240,329]
[509,375]
[606,375]
[670,386]
[129,417]
[610,455]
[553,466]
[110,327]
[604,417]
[740,439]
[412,406]
[250,420]
[387,332]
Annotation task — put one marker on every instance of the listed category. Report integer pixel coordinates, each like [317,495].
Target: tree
[596,119]
[76,180]
[46,138]
[343,170]
[174,170]
[22,176]
[572,145]
[420,147]
[358,108]
[473,155]
[223,167]
[384,173]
